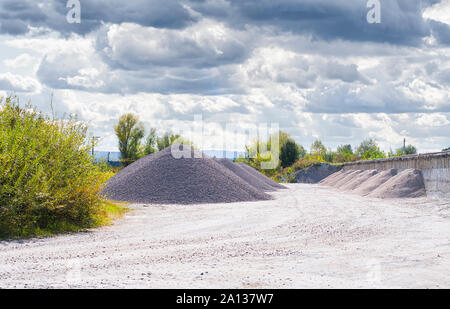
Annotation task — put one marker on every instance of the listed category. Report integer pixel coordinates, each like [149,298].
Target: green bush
[305,163]
[48,181]
[289,153]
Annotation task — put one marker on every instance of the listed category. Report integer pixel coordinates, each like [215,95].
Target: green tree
[446,149]
[166,140]
[345,149]
[289,153]
[318,149]
[301,151]
[151,142]
[330,156]
[129,131]
[369,149]
[262,151]
[409,150]
[344,153]
[283,137]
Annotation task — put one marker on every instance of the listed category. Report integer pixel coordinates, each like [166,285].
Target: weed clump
[48,181]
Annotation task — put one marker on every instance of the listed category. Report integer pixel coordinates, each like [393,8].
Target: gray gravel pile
[333,177]
[261,176]
[408,183]
[161,179]
[374,182]
[357,181]
[252,179]
[316,173]
[348,176]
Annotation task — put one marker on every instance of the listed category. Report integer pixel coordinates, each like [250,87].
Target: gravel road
[309,236]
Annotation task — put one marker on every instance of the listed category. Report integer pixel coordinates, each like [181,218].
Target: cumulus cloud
[207,44]
[128,58]
[21,61]
[315,66]
[18,83]
[440,11]
[347,73]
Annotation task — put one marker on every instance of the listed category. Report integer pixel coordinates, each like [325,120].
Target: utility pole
[404,146]
[94,139]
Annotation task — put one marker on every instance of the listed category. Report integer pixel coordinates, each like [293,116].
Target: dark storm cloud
[152,13]
[440,31]
[13,27]
[16,15]
[24,10]
[401,20]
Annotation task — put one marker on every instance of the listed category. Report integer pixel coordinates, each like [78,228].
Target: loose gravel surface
[308,236]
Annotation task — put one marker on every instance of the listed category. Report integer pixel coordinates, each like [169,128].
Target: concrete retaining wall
[419,162]
[437,182]
[435,168]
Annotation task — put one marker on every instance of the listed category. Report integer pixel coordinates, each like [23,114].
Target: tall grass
[48,182]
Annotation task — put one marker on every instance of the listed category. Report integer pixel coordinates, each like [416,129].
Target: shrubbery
[293,157]
[289,153]
[48,181]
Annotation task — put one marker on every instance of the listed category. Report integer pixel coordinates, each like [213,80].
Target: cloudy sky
[316,67]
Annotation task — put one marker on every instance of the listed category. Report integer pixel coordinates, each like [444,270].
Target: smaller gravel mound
[337,183]
[357,181]
[333,177]
[250,178]
[316,173]
[261,176]
[385,184]
[407,184]
[374,182]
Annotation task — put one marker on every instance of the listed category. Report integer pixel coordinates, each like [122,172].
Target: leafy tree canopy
[409,150]
[369,149]
[318,149]
[289,153]
[129,131]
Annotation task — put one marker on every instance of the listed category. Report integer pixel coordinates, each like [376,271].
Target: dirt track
[310,236]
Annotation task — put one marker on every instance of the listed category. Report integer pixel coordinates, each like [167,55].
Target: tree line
[133,144]
[295,155]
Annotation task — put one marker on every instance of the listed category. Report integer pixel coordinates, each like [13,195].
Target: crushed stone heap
[160,178]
